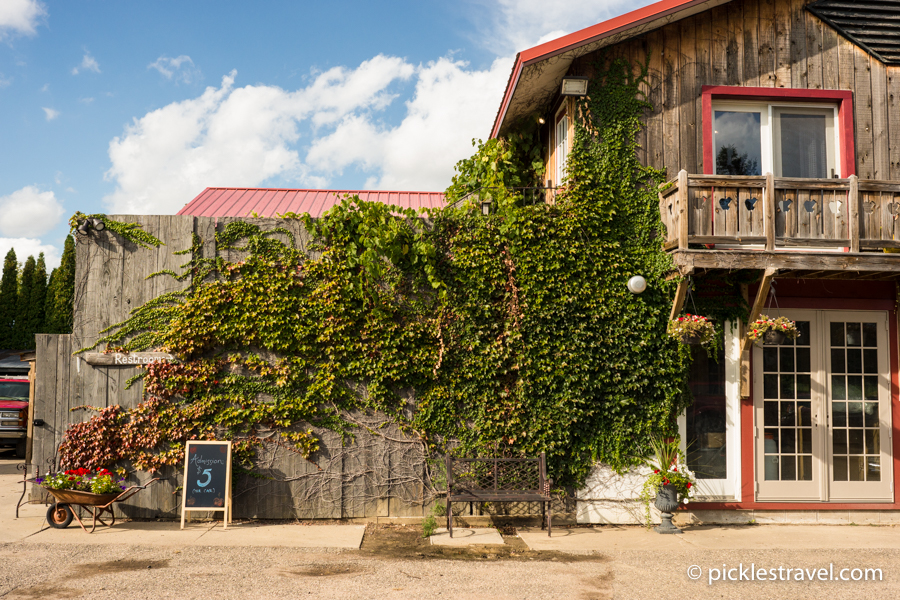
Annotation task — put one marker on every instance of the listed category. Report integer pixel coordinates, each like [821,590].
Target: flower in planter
[669,468]
[83,480]
[692,329]
[758,328]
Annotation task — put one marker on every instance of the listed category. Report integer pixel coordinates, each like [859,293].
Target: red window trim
[843,98]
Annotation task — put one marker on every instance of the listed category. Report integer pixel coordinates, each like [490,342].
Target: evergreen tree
[20,330]
[35,316]
[9,299]
[61,291]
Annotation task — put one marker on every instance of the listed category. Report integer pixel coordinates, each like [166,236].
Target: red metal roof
[619,28]
[269,202]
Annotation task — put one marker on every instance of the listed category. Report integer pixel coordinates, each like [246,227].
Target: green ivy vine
[507,334]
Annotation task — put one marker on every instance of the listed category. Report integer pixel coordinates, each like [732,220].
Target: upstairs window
[562,145]
[788,140]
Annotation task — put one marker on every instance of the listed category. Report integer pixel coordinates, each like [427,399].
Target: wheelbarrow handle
[131,491]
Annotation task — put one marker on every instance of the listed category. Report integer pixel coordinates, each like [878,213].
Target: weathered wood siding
[758,43]
[370,476]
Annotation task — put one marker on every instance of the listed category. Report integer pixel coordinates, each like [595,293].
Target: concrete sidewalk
[607,538]
[31,526]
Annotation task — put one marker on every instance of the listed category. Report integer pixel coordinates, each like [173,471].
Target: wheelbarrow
[60,514]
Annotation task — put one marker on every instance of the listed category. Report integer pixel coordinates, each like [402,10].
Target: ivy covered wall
[507,334]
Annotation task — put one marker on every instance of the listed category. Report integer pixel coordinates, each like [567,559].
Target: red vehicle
[13,413]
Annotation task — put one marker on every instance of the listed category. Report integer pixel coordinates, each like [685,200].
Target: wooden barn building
[778,125]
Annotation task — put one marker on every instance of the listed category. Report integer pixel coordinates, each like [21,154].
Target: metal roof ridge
[275,189]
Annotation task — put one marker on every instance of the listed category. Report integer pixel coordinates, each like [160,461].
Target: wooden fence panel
[378,474]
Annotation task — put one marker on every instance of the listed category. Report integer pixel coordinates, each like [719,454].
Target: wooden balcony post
[681,293]
[853,213]
[683,210]
[769,212]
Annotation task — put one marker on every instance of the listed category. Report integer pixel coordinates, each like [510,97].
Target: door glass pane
[855,436]
[873,469]
[787,410]
[738,143]
[804,152]
[706,444]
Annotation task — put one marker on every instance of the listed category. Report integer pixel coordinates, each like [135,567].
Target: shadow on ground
[404,542]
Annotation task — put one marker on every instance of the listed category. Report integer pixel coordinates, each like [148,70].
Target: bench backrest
[497,476]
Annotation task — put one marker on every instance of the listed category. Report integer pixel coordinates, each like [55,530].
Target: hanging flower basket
[771,331]
[693,330]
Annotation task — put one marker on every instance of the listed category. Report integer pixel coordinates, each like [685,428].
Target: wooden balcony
[822,228]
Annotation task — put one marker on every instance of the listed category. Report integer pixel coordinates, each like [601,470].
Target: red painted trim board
[618,25]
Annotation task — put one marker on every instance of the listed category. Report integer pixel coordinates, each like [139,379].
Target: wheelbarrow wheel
[59,516]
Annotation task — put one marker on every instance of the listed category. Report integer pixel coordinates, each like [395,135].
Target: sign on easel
[207,479]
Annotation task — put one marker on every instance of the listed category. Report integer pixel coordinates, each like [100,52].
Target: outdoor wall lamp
[574,86]
[485,207]
[637,284]
[89,224]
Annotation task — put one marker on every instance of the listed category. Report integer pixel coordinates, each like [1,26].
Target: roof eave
[596,33]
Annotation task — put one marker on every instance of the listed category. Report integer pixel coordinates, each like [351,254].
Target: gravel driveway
[393,564]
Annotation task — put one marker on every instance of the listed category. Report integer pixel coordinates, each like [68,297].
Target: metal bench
[498,480]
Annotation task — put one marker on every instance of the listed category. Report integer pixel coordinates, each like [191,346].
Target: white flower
[686,500]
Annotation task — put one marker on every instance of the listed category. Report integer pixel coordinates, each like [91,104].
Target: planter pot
[773,337]
[667,503]
[691,340]
[86,498]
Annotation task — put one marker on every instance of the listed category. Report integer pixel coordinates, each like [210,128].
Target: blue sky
[136,107]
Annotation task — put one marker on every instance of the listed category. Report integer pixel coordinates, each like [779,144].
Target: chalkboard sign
[207,479]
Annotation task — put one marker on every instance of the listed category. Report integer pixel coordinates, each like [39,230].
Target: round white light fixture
[637,284]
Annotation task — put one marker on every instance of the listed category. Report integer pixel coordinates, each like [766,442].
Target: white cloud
[181,68]
[29,212]
[88,63]
[20,17]
[50,113]
[515,25]
[237,136]
[26,247]
[262,134]
[4,81]
[450,106]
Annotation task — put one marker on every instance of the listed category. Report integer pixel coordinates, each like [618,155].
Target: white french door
[822,410]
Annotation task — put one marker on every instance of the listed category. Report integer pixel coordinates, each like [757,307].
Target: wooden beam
[680,295]
[758,304]
[769,212]
[121,359]
[745,355]
[683,209]
[837,262]
[853,210]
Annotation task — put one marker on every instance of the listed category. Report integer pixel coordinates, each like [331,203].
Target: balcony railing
[485,197]
[773,213]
